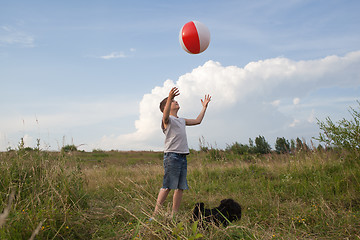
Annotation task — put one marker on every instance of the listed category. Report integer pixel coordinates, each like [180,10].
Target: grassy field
[110,195]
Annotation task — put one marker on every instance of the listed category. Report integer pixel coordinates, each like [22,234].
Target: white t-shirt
[175,136]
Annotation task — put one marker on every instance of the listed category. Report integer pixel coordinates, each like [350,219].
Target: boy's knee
[165,189]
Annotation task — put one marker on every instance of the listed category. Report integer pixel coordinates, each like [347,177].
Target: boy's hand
[174,92]
[206,101]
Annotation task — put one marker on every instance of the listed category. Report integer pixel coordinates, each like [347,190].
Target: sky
[92,73]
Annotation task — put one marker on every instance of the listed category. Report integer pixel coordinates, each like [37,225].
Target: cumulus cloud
[238,97]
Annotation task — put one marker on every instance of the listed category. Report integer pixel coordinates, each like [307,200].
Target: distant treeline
[261,146]
[342,135]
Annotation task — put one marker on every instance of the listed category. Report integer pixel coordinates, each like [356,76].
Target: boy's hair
[162,104]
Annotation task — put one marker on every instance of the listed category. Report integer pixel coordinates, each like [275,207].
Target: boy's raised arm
[198,120]
[172,94]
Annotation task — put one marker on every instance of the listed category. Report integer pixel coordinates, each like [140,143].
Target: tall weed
[49,195]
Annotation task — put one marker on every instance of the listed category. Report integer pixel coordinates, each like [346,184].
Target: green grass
[110,195]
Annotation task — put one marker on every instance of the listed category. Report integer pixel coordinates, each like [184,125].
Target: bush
[69,148]
[238,148]
[343,134]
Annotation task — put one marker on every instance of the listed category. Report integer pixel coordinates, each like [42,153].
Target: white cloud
[114,55]
[294,123]
[275,103]
[238,95]
[296,101]
[311,117]
[12,36]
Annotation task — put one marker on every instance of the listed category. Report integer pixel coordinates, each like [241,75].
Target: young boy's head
[174,104]
[162,104]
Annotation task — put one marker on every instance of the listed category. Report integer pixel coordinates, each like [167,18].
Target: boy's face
[175,104]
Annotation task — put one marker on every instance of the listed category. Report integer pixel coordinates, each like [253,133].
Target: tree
[282,145]
[344,134]
[251,143]
[261,145]
[251,146]
[292,146]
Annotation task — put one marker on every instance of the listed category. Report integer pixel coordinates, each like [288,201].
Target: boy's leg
[161,199]
[178,193]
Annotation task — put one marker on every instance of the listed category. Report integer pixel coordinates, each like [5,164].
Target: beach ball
[194,37]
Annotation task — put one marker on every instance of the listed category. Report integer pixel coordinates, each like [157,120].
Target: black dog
[228,211]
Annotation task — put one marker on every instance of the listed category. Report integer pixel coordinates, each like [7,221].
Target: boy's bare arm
[172,94]
[198,120]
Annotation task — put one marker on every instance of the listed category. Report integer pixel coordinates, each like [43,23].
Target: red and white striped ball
[194,37]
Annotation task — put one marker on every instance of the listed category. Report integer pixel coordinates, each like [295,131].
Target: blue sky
[91,73]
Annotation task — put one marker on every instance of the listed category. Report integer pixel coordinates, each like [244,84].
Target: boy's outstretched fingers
[174,92]
[206,101]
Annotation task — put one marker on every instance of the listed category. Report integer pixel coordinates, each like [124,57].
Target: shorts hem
[165,188]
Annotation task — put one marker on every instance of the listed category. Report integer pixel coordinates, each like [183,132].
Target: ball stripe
[192,44]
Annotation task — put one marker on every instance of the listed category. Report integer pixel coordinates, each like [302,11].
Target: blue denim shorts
[175,170]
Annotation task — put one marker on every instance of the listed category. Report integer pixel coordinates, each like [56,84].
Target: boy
[176,149]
